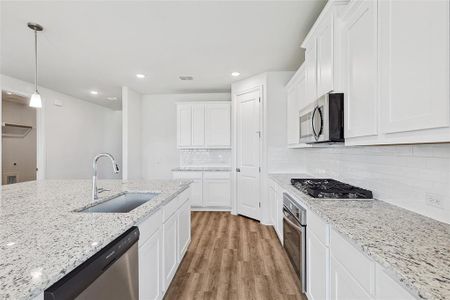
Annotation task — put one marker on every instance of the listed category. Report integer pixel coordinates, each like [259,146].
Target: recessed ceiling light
[186,78]
[140,76]
[111,98]
[94,92]
[235,74]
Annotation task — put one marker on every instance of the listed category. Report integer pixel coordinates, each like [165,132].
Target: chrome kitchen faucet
[95,191]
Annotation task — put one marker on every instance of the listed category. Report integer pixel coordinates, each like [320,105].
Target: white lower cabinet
[196,185]
[343,285]
[170,254]
[217,189]
[184,229]
[337,270]
[275,200]
[164,239]
[388,289]
[150,267]
[211,190]
[317,267]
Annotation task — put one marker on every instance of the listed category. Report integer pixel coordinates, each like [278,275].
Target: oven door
[294,236]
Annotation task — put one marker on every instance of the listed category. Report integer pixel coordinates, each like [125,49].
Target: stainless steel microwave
[323,120]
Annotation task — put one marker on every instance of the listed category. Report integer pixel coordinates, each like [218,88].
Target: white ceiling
[101,45]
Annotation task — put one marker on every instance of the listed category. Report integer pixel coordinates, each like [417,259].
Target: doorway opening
[19,139]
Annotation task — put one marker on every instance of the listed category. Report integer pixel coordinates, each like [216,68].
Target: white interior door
[248,154]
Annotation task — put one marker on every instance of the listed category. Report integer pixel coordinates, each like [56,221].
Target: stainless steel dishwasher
[110,274]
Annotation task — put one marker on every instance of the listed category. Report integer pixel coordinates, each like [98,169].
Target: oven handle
[286,214]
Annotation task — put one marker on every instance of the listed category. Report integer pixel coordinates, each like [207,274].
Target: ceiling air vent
[186,78]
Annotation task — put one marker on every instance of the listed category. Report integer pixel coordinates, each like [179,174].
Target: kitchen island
[42,237]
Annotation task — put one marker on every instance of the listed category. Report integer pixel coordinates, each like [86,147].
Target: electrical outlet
[434,200]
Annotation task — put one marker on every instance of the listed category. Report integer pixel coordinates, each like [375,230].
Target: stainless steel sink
[122,203]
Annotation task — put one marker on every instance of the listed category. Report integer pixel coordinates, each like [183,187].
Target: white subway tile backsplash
[402,174]
[205,157]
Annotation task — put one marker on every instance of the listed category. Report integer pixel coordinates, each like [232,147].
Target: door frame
[234,124]
[40,133]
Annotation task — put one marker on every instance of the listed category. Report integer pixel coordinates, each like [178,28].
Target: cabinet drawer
[216,175]
[319,227]
[360,267]
[171,207]
[149,226]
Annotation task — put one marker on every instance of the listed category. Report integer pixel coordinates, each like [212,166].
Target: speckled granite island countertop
[42,239]
[414,249]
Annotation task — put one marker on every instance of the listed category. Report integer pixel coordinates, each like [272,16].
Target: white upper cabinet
[295,102]
[204,125]
[414,68]
[184,125]
[311,71]
[218,124]
[359,36]
[198,125]
[322,52]
[325,57]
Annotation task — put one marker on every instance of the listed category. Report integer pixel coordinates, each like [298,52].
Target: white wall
[159,131]
[19,153]
[72,133]
[402,175]
[132,133]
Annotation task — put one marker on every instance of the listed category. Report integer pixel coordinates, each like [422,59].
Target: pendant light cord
[36,62]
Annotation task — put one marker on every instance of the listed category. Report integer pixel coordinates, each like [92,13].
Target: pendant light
[35,100]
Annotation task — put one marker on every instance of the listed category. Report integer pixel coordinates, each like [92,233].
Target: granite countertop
[42,238]
[413,249]
[202,169]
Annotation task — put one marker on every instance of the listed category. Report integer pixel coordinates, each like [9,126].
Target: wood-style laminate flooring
[232,257]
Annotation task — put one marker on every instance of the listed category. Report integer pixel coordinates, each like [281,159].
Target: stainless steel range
[330,188]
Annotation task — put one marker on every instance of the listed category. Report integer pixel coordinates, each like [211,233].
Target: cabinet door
[150,268]
[317,265]
[184,229]
[218,124]
[325,63]
[196,186]
[311,71]
[343,285]
[170,259]
[217,190]
[271,197]
[279,201]
[198,125]
[295,101]
[197,193]
[414,63]
[360,51]
[184,125]
[387,289]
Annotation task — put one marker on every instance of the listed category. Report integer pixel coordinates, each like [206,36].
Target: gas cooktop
[330,188]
